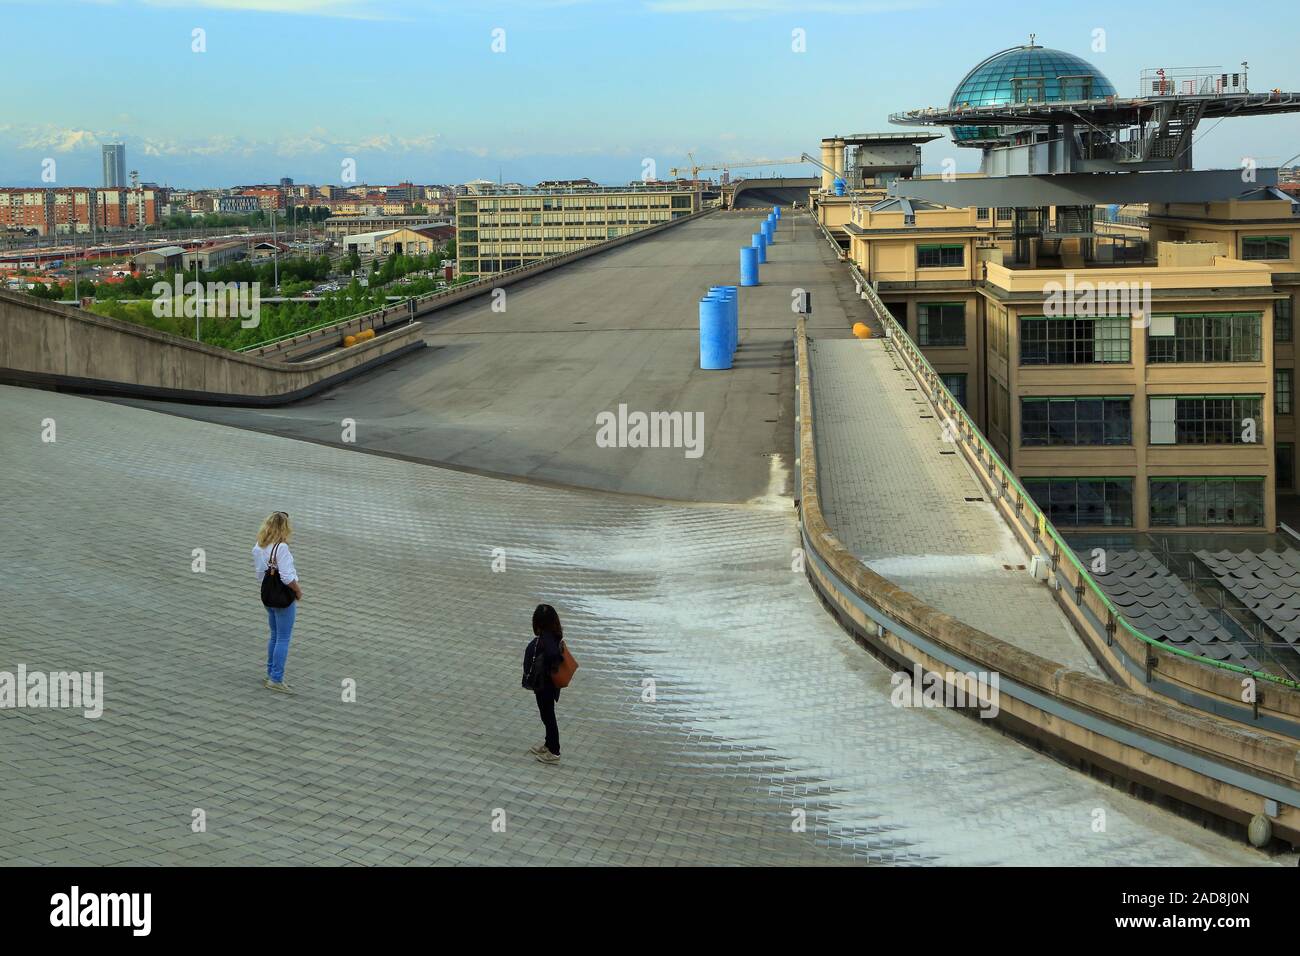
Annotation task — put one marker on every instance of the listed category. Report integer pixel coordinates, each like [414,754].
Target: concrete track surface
[762,710]
[517,392]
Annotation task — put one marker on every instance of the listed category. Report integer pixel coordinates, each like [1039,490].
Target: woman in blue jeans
[272,551]
[550,644]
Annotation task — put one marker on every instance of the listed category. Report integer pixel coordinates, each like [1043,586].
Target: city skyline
[232,112]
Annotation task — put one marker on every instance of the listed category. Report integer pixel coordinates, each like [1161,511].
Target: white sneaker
[537,748]
[547,757]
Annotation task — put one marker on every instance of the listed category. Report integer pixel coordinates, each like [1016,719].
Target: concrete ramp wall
[48,345]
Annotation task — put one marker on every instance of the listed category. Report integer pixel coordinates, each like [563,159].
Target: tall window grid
[941,324]
[1206,337]
[1084,502]
[1282,378]
[1206,419]
[1075,341]
[1081,420]
[1207,501]
[955,382]
[1282,320]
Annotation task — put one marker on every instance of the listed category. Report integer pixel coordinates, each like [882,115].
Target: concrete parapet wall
[1233,771]
[56,346]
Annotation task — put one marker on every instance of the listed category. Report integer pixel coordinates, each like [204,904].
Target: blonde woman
[281,592]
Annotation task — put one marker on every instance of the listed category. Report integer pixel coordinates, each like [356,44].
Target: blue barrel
[728,294]
[715,333]
[776,211]
[749,266]
[759,242]
[734,292]
[768,234]
[840,186]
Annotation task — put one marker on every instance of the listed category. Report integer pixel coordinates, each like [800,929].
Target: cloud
[759,7]
[50,138]
[350,9]
[55,139]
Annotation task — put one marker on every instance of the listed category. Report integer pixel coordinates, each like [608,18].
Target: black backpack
[532,679]
[275,593]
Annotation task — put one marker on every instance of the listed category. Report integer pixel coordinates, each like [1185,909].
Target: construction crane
[725,167]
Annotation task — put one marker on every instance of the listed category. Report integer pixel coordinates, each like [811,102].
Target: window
[1004,213]
[1081,420]
[955,382]
[681,202]
[1282,320]
[1202,502]
[941,323]
[1282,390]
[1045,341]
[1081,502]
[1284,460]
[1206,419]
[982,214]
[945,256]
[1207,337]
[1266,247]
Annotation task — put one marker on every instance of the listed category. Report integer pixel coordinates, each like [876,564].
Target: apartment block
[497,231]
[68,209]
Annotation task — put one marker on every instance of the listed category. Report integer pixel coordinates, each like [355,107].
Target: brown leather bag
[564,673]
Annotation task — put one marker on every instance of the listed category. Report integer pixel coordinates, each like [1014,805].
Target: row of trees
[275,320]
[262,218]
[298,273]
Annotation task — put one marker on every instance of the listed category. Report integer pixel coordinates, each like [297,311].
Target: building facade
[114,157]
[238,205]
[209,258]
[1133,378]
[81,209]
[503,230]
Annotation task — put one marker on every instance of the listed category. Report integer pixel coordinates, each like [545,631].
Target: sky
[222,92]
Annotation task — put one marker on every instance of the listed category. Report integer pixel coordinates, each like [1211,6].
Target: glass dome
[1026,74]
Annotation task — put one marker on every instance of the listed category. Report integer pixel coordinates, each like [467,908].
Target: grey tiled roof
[1158,603]
[1267,582]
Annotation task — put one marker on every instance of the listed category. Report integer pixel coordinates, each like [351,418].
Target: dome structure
[1026,74]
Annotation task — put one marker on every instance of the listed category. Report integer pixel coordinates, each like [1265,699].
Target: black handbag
[275,593]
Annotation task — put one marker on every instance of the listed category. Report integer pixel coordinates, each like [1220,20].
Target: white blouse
[283,561]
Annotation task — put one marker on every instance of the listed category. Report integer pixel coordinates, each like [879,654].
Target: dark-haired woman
[550,636]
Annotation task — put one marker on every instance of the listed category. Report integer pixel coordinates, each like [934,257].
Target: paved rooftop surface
[763,705]
[517,392]
[898,501]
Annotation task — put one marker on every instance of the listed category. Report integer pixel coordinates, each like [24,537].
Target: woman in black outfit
[549,633]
